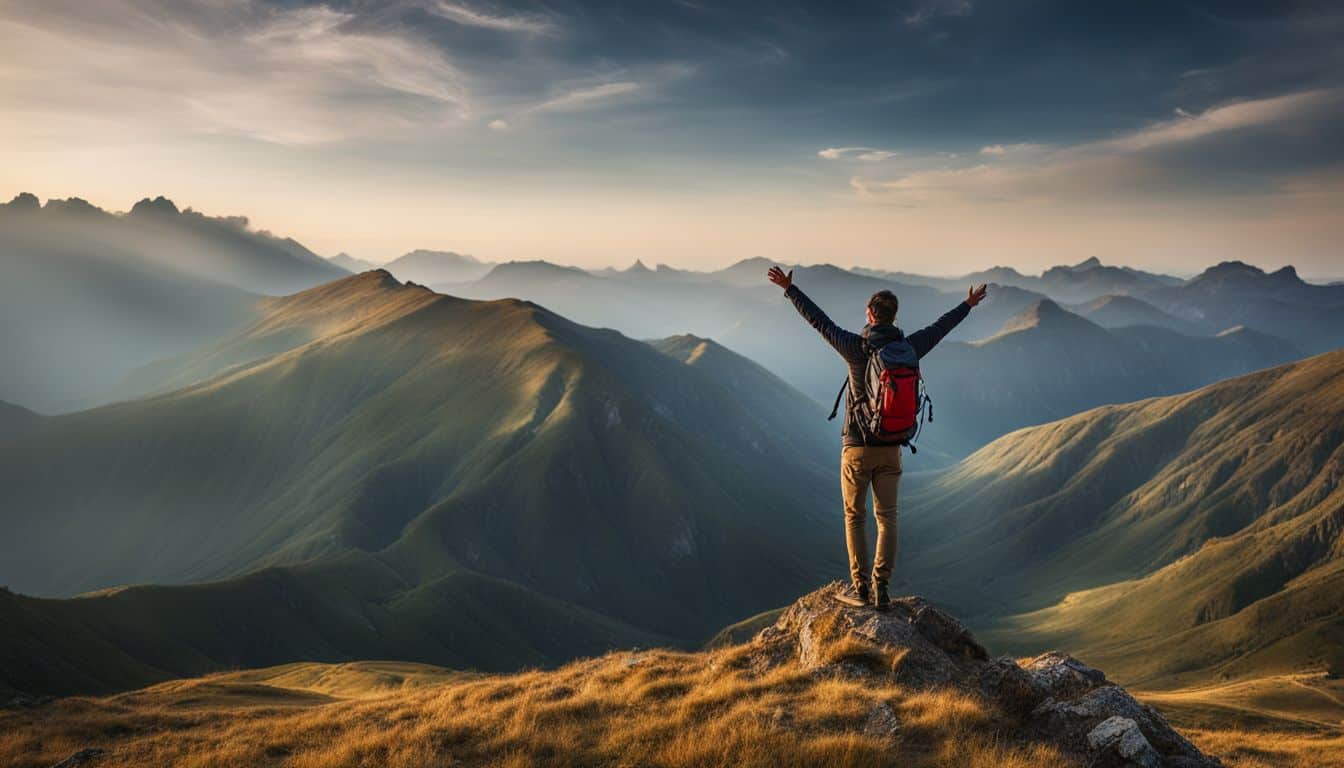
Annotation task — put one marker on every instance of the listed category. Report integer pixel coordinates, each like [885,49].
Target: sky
[936,136]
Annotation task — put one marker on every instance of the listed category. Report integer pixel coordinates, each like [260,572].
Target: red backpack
[893,399]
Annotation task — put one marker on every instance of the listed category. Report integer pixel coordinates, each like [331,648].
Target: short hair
[883,305]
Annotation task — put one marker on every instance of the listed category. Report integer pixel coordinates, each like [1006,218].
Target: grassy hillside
[435,436]
[1171,540]
[823,685]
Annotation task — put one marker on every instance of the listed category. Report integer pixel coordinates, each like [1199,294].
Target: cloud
[929,9]
[462,14]
[1005,149]
[1184,157]
[865,154]
[499,125]
[587,97]
[294,76]
[1230,117]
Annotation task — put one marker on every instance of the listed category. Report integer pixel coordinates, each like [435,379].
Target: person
[866,459]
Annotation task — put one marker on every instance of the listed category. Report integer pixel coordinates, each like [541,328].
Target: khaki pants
[880,467]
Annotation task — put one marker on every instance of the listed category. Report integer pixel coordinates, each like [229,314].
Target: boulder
[1053,698]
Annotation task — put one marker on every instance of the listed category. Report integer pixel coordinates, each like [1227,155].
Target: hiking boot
[881,600]
[855,595]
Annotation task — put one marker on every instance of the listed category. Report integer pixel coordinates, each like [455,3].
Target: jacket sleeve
[849,345]
[926,339]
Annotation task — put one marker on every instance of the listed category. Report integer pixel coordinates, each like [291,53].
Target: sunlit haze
[937,136]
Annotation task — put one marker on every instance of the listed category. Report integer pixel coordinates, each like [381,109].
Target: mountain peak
[73,205]
[158,206]
[1046,315]
[24,201]
[1091,263]
[637,268]
[1232,268]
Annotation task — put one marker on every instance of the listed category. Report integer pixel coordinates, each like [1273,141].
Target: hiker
[874,432]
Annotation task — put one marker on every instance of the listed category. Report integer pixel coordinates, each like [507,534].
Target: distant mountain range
[351,264]
[1047,363]
[390,453]
[1080,283]
[1206,525]
[435,267]
[87,295]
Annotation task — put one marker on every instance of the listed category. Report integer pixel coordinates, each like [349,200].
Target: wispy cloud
[864,154]
[472,17]
[301,76]
[929,9]
[587,97]
[1137,164]
[1231,117]
[999,150]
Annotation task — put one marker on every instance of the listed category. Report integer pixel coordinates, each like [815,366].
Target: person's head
[882,308]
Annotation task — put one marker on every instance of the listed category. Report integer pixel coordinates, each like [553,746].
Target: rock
[882,722]
[82,757]
[1118,741]
[1064,676]
[1072,721]
[945,632]
[1053,698]
[1015,689]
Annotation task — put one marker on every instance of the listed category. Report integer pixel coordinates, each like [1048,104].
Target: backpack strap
[836,408]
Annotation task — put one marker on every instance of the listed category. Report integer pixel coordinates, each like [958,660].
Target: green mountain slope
[1176,537]
[346,609]
[437,435]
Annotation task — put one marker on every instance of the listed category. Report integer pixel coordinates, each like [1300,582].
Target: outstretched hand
[780,278]
[976,295]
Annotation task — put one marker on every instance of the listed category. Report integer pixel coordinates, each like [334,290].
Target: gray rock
[1013,688]
[1065,677]
[1118,740]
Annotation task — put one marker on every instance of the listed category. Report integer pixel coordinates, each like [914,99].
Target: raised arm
[925,339]
[849,345]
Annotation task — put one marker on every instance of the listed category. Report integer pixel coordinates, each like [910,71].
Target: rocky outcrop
[1053,698]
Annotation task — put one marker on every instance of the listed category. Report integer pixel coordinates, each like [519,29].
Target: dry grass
[1270,749]
[657,708]
[1278,721]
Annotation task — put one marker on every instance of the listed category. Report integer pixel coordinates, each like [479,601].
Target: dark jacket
[853,347]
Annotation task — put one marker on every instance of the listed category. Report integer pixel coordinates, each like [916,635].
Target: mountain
[86,296]
[735,306]
[1207,525]
[1076,284]
[1115,311]
[351,264]
[387,429]
[1002,382]
[1279,303]
[1091,279]
[1047,363]
[222,249]
[16,420]
[434,267]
